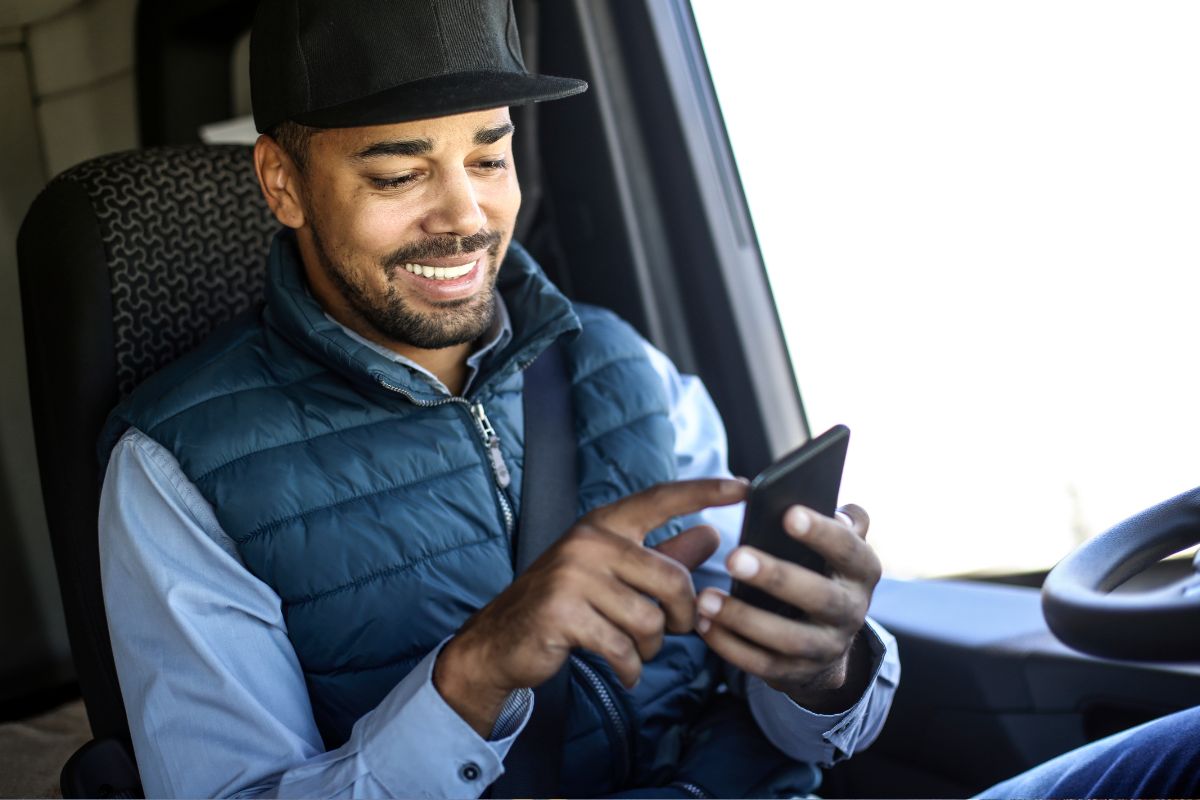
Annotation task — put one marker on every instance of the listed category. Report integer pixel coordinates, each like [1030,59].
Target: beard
[454,322]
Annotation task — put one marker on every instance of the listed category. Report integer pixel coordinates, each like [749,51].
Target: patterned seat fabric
[186,232]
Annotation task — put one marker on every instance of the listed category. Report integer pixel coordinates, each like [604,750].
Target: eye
[393,183]
[493,164]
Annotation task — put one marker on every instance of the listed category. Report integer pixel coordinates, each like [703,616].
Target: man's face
[406,225]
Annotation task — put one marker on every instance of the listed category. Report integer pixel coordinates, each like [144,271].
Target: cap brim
[441,96]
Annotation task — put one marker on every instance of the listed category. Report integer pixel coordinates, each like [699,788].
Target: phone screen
[809,476]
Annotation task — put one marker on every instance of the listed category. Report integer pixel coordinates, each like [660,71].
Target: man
[306,523]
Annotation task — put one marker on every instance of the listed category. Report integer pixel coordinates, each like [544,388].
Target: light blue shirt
[214,692]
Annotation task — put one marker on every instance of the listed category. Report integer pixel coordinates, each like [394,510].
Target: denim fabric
[1158,759]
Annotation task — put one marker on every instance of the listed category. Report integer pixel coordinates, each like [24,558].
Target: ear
[279,179]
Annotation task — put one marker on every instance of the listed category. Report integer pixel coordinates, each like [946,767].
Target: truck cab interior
[632,201]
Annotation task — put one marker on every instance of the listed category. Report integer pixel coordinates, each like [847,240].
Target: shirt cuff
[516,712]
[454,761]
[825,739]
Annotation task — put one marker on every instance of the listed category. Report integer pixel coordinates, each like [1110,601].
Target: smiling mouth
[441,273]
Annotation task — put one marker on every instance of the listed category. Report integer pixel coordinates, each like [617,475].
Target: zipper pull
[492,442]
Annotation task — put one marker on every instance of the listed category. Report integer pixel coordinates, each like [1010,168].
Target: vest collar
[540,314]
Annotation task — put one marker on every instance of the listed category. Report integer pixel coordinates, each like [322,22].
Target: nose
[456,208]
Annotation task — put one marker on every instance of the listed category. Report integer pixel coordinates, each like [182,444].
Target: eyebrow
[395,147]
[493,134]
[422,147]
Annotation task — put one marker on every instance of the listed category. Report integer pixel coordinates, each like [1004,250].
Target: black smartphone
[808,476]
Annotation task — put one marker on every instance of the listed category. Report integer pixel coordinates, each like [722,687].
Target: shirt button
[469,772]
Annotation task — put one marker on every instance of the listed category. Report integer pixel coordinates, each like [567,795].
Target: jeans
[1158,759]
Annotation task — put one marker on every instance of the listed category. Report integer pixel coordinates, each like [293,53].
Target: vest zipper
[692,789]
[615,722]
[492,442]
[496,459]
[487,434]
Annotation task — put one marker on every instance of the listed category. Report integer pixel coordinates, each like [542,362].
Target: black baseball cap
[346,63]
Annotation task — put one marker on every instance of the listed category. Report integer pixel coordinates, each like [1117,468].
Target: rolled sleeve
[826,739]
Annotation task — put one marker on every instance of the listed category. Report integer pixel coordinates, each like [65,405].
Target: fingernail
[732,487]
[703,625]
[744,565]
[710,604]
[798,520]
[845,518]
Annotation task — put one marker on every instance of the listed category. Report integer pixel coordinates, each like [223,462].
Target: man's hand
[595,588]
[812,661]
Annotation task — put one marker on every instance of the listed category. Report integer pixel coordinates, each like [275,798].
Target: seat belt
[549,505]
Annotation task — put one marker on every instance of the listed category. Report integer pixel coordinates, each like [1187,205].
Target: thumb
[692,547]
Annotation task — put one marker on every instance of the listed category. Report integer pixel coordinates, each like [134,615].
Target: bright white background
[981,222]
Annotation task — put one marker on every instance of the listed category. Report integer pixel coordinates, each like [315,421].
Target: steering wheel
[1158,625]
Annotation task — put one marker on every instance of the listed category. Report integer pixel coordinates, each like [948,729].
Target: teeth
[440,273]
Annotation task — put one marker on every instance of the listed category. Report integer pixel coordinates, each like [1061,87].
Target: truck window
[979,223]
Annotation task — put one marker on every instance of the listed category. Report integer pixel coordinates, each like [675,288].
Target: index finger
[634,516]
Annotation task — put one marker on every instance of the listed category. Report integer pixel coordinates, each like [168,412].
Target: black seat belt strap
[549,488]
[549,500]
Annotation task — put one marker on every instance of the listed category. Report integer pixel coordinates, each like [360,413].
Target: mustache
[443,247]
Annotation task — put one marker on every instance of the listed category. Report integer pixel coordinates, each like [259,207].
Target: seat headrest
[185,233]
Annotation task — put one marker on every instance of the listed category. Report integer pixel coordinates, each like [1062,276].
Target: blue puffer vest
[366,499]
